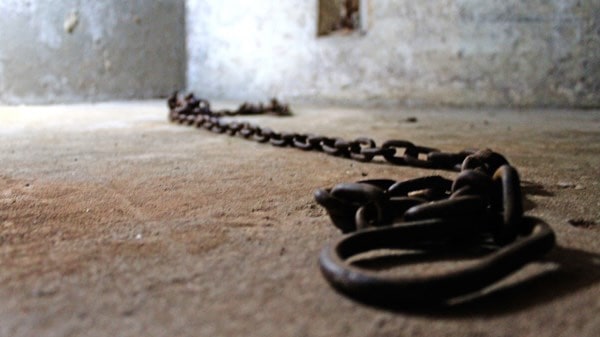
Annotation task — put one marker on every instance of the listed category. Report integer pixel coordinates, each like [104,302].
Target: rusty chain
[192,111]
[481,207]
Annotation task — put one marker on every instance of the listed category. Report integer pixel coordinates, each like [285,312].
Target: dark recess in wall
[338,16]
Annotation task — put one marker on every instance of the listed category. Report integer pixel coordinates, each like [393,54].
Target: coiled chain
[481,206]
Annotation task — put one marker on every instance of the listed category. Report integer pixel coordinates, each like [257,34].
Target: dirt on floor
[115,222]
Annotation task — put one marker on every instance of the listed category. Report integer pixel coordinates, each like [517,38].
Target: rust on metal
[481,207]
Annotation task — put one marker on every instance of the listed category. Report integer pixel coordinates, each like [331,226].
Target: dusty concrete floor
[115,222]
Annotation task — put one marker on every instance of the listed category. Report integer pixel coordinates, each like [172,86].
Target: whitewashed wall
[75,50]
[456,52]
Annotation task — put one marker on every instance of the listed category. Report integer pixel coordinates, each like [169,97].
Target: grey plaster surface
[114,222]
[72,51]
[454,52]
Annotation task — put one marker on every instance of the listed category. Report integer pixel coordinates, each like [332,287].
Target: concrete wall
[74,50]
[456,52]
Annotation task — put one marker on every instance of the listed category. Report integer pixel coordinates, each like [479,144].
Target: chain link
[481,206]
[189,110]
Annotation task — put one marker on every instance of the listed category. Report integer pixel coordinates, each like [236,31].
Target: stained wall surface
[452,52]
[64,51]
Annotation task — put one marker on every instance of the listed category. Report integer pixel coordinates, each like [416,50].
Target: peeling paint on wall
[71,22]
[452,52]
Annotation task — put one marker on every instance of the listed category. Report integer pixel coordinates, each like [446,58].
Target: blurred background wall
[451,52]
[430,52]
[77,50]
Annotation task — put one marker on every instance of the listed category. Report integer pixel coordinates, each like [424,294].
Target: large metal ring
[433,234]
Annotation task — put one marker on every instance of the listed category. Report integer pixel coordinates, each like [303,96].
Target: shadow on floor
[532,188]
[575,269]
